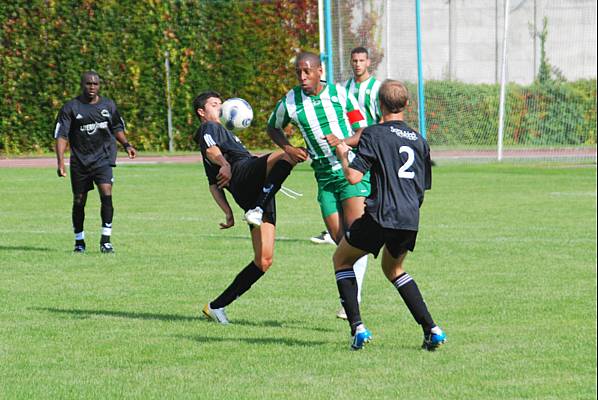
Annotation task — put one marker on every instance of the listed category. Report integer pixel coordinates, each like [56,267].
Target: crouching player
[399,161]
[252,181]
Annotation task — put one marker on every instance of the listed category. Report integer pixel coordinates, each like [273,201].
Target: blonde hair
[393,96]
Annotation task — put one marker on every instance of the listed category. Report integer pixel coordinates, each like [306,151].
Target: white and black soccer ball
[236,113]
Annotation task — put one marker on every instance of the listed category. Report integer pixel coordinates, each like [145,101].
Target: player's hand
[131,152]
[230,221]
[297,154]
[333,140]
[342,148]
[224,176]
[61,172]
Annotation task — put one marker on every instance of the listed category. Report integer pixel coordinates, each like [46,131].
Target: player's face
[211,110]
[90,87]
[309,76]
[360,64]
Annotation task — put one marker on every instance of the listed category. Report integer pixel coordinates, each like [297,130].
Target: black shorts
[367,235]
[83,178]
[247,183]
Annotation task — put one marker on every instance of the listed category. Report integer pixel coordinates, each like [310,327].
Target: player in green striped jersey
[325,114]
[364,86]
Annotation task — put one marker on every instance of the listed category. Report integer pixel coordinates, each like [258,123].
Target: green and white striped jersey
[333,110]
[366,94]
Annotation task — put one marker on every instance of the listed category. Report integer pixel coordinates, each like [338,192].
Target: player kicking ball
[252,181]
[399,161]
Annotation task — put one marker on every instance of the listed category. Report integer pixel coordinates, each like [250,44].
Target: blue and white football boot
[434,339]
[361,337]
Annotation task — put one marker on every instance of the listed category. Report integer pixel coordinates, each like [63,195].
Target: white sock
[436,330]
[80,235]
[359,268]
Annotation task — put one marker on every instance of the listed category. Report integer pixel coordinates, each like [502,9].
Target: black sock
[107,213]
[347,289]
[279,172]
[78,216]
[413,299]
[242,282]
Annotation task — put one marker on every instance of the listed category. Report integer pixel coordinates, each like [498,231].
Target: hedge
[239,48]
[548,114]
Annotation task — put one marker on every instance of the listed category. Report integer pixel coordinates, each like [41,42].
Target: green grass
[506,259]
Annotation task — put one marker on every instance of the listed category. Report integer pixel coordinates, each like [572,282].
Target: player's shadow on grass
[25,248]
[278,324]
[262,340]
[246,238]
[84,314]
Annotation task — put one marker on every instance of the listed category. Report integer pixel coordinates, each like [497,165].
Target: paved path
[587,153]
[41,162]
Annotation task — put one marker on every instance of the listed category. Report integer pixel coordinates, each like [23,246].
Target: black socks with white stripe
[347,289]
[413,299]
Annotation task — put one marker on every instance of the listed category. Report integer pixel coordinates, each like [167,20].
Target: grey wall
[474,54]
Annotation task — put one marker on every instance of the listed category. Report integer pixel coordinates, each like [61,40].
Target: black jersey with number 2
[90,130]
[399,161]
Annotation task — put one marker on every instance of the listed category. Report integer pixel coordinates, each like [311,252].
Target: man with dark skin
[91,124]
[326,115]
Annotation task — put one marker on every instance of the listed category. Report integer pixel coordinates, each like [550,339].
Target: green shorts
[333,188]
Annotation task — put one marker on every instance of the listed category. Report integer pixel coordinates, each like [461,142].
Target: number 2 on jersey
[403,171]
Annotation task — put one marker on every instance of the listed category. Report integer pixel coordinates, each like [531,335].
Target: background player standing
[364,86]
[326,115]
[399,161]
[90,124]
[252,181]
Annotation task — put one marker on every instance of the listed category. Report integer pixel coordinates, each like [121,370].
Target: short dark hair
[393,96]
[200,101]
[307,55]
[85,74]
[360,50]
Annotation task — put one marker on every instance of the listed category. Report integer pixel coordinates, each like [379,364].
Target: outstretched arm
[352,141]
[352,175]
[220,199]
[297,154]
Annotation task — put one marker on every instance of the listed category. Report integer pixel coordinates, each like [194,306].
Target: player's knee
[338,260]
[264,263]
[79,200]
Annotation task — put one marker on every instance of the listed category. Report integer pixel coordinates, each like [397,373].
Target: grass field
[506,260]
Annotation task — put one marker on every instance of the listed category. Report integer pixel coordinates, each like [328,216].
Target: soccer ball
[236,113]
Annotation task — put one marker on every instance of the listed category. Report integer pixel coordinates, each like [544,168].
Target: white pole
[321,33]
[169,115]
[341,45]
[503,84]
[452,39]
[387,50]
